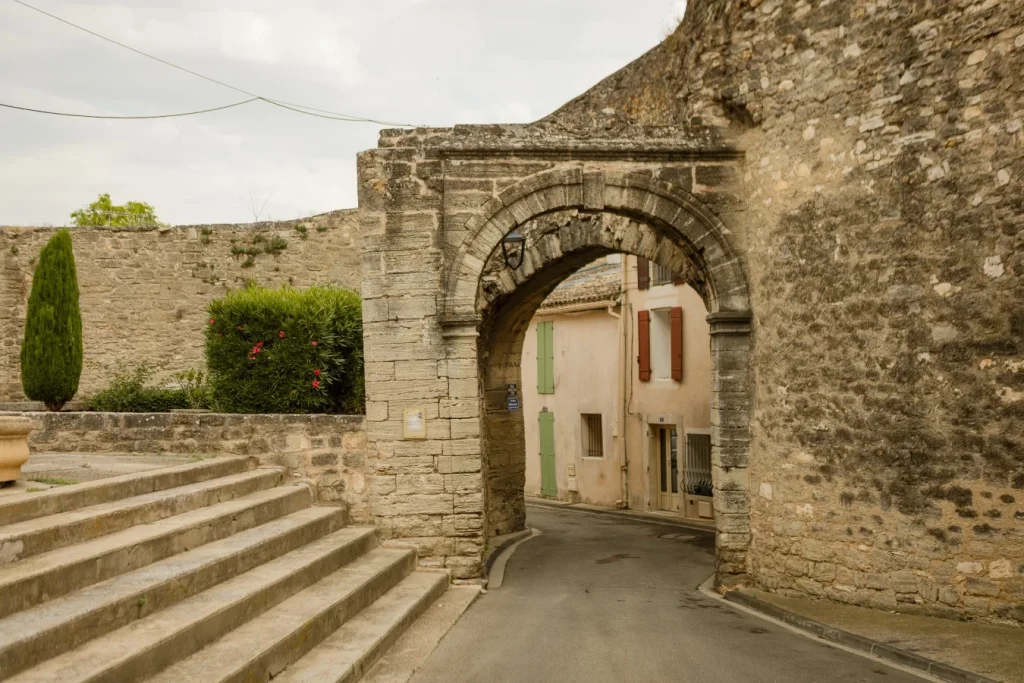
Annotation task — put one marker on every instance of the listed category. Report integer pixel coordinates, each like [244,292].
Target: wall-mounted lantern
[513,248]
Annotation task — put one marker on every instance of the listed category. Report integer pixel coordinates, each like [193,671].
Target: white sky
[435,62]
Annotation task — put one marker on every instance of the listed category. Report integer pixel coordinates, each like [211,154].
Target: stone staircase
[212,571]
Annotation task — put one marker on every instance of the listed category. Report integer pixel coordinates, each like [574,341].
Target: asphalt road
[596,598]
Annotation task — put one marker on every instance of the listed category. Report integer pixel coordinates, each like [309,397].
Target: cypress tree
[51,354]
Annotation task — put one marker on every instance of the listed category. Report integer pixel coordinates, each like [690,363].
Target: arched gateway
[445,317]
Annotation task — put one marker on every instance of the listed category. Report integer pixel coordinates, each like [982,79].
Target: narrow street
[596,598]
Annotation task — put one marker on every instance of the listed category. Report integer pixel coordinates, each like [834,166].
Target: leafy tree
[105,213]
[51,354]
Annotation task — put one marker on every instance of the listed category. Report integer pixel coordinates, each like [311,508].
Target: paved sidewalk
[46,470]
[996,652]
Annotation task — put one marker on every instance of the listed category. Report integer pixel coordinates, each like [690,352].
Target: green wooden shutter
[548,487]
[545,358]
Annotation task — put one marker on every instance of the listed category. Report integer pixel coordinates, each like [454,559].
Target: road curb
[622,514]
[945,672]
[499,543]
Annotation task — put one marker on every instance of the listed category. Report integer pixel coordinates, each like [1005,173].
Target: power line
[152,116]
[291,106]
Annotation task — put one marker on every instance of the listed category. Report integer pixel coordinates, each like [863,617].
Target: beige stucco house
[616,376]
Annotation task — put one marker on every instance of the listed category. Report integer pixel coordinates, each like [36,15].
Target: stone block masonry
[327,450]
[881,206]
[144,291]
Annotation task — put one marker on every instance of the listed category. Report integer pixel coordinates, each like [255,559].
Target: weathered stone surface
[161,282]
[327,450]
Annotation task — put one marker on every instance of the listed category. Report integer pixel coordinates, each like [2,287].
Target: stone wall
[144,291]
[328,450]
[882,188]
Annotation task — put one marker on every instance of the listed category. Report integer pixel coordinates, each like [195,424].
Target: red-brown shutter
[675,320]
[643,273]
[643,323]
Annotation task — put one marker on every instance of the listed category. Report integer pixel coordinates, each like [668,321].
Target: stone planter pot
[14,433]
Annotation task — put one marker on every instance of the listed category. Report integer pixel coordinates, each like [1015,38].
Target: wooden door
[667,450]
[548,488]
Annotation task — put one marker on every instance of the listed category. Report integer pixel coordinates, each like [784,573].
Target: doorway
[548,487]
[666,446]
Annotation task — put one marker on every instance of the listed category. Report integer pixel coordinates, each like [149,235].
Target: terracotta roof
[596,283]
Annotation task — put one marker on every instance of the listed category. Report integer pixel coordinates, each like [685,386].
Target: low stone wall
[328,450]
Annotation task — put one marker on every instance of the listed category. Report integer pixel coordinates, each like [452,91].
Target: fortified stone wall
[882,181]
[327,450]
[144,291]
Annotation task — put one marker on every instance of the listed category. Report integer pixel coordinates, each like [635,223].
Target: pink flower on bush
[316,384]
[314,342]
[212,321]
[281,334]
[317,372]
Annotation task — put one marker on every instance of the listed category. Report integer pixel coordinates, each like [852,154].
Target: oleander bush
[286,351]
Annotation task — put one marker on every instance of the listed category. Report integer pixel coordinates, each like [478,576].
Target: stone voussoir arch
[626,193]
[706,241]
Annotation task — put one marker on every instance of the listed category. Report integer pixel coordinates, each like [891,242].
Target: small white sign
[414,423]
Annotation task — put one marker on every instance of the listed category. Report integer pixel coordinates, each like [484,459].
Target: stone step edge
[429,586]
[111,612]
[143,648]
[219,518]
[68,528]
[277,637]
[20,507]
[946,672]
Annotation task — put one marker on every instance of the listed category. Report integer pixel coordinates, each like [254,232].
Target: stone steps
[212,571]
[41,534]
[16,508]
[47,630]
[353,649]
[148,645]
[37,579]
[262,648]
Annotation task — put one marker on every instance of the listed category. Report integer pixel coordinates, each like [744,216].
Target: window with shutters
[660,338]
[660,275]
[593,438]
[661,344]
[546,358]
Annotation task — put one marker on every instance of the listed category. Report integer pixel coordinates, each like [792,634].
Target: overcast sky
[435,62]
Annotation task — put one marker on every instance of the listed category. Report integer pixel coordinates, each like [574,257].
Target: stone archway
[442,330]
[664,224]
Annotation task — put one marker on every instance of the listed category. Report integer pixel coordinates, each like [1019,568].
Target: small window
[660,275]
[697,472]
[593,440]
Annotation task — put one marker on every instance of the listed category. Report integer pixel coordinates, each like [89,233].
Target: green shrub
[128,393]
[286,351]
[51,354]
[196,389]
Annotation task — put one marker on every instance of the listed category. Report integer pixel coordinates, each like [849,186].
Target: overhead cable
[291,106]
[150,116]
